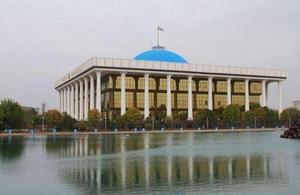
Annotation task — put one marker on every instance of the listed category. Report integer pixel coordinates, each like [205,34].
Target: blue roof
[160,55]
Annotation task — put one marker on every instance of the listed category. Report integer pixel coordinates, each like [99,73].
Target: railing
[167,66]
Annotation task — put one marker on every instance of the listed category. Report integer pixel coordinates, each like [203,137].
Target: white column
[228,91]
[247,107]
[146,96]
[72,101]
[123,93]
[263,93]
[92,93]
[68,100]
[60,101]
[98,91]
[280,97]
[65,100]
[169,97]
[210,98]
[81,100]
[190,98]
[76,102]
[86,98]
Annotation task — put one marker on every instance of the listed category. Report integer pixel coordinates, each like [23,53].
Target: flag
[160,28]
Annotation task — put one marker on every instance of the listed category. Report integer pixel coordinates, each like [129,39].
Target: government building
[160,77]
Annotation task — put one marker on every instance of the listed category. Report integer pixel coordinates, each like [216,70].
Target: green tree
[29,116]
[231,115]
[248,119]
[205,118]
[168,122]
[94,118]
[68,123]
[11,114]
[53,118]
[271,117]
[160,112]
[289,116]
[254,106]
[131,119]
[260,115]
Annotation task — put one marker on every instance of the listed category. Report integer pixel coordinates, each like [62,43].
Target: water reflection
[11,149]
[145,162]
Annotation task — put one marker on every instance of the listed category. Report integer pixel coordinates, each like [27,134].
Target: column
[60,101]
[123,93]
[228,91]
[98,91]
[92,95]
[65,100]
[146,96]
[68,100]
[263,94]
[169,104]
[279,97]
[190,98]
[76,102]
[86,98]
[247,107]
[210,98]
[72,101]
[81,100]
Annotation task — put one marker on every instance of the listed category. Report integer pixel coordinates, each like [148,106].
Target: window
[220,101]
[255,87]
[182,100]
[201,101]
[239,87]
[238,99]
[221,86]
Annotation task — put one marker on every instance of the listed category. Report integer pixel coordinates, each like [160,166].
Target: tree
[29,116]
[231,115]
[53,118]
[68,123]
[254,106]
[168,121]
[271,117]
[94,118]
[248,119]
[11,114]
[160,113]
[289,116]
[260,115]
[205,118]
[131,119]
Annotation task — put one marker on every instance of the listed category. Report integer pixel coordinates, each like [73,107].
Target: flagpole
[157,36]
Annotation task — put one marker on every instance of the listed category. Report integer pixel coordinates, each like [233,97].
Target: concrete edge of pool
[141,132]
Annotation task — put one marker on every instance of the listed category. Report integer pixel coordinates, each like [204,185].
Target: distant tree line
[13,116]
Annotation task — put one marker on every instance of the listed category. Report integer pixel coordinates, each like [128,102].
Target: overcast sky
[41,41]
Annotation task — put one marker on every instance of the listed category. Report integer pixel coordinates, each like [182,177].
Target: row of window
[182,100]
[182,84]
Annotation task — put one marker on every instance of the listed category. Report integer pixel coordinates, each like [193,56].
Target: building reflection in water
[143,162]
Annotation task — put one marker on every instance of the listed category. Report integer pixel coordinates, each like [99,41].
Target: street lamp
[105,124]
[43,123]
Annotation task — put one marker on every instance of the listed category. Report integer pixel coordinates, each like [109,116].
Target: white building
[160,77]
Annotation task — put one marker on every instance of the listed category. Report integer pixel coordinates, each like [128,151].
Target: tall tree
[94,118]
[205,118]
[53,118]
[289,116]
[11,114]
[231,115]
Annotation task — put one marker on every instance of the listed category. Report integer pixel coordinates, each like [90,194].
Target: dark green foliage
[131,119]
[11,115]
[231,116]
[205,118]
[289,116]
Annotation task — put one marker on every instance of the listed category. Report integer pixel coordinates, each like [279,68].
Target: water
[180,163]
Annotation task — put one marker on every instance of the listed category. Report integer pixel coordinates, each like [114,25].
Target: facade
[160,78]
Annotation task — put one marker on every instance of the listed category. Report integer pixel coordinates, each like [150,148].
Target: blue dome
[160,55]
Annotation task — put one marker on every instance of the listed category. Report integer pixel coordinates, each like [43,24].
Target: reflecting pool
[180,163]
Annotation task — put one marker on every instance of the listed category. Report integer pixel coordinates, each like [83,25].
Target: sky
[40,41]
